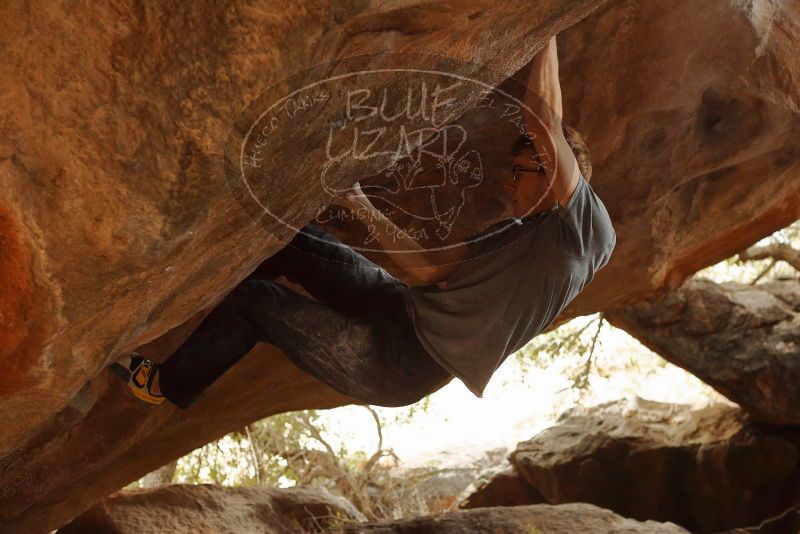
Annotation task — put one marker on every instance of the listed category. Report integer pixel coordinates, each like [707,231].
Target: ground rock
[210,509]
[707,470]
[561,519]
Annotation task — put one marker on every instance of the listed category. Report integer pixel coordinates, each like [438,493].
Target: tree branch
[256,463]
[777,251]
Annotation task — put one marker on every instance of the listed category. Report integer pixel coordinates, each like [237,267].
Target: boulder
[533,518]
[206,508]
[743,340]
[499,486]
[708,470]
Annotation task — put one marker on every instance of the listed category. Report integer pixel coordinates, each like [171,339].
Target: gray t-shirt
[516,279]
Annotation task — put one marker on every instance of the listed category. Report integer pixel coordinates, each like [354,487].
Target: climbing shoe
[139,372]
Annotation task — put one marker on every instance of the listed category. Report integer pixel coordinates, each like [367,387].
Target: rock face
[206,508]
[443,478]
[707,470]
[210,509]
[117,228]
[502,486]
[681,105]
[786,523]
[742,340]
[561,519]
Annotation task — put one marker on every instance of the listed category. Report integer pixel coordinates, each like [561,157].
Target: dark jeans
[356,337]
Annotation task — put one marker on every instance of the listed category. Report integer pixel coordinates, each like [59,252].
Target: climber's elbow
[438,267]
[423,276]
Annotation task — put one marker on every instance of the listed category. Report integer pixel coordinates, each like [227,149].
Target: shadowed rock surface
[561,519]
[707,470]
[743,340]
[210,509]
[205,508]
[501,485]
[118,228]
[786,523]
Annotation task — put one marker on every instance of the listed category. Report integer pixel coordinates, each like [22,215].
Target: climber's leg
[377,360]
[331,272]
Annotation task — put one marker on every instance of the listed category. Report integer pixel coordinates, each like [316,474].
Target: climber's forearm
[543,121]
[543,94]
[405,252]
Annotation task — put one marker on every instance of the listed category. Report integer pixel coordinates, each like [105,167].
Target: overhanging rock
[117,226]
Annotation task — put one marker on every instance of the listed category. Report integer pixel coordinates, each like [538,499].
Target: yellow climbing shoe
[140,373]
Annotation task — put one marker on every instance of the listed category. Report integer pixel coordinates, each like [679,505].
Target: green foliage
[292,449]
[406,416]
[261,453]
[579,337]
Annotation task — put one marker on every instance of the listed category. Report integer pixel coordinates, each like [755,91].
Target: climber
[382,341]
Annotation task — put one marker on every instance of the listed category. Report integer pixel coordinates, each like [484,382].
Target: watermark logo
[409,146]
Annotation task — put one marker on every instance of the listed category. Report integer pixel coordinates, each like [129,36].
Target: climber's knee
[251,296]
[405,399]
[397,397]
[413,396]
[433,378]
[251,287]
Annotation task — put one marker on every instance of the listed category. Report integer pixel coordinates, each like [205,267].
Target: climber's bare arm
[421,266]
[543,99]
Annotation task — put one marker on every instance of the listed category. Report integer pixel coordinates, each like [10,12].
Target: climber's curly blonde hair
[581,151]
[576,143]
